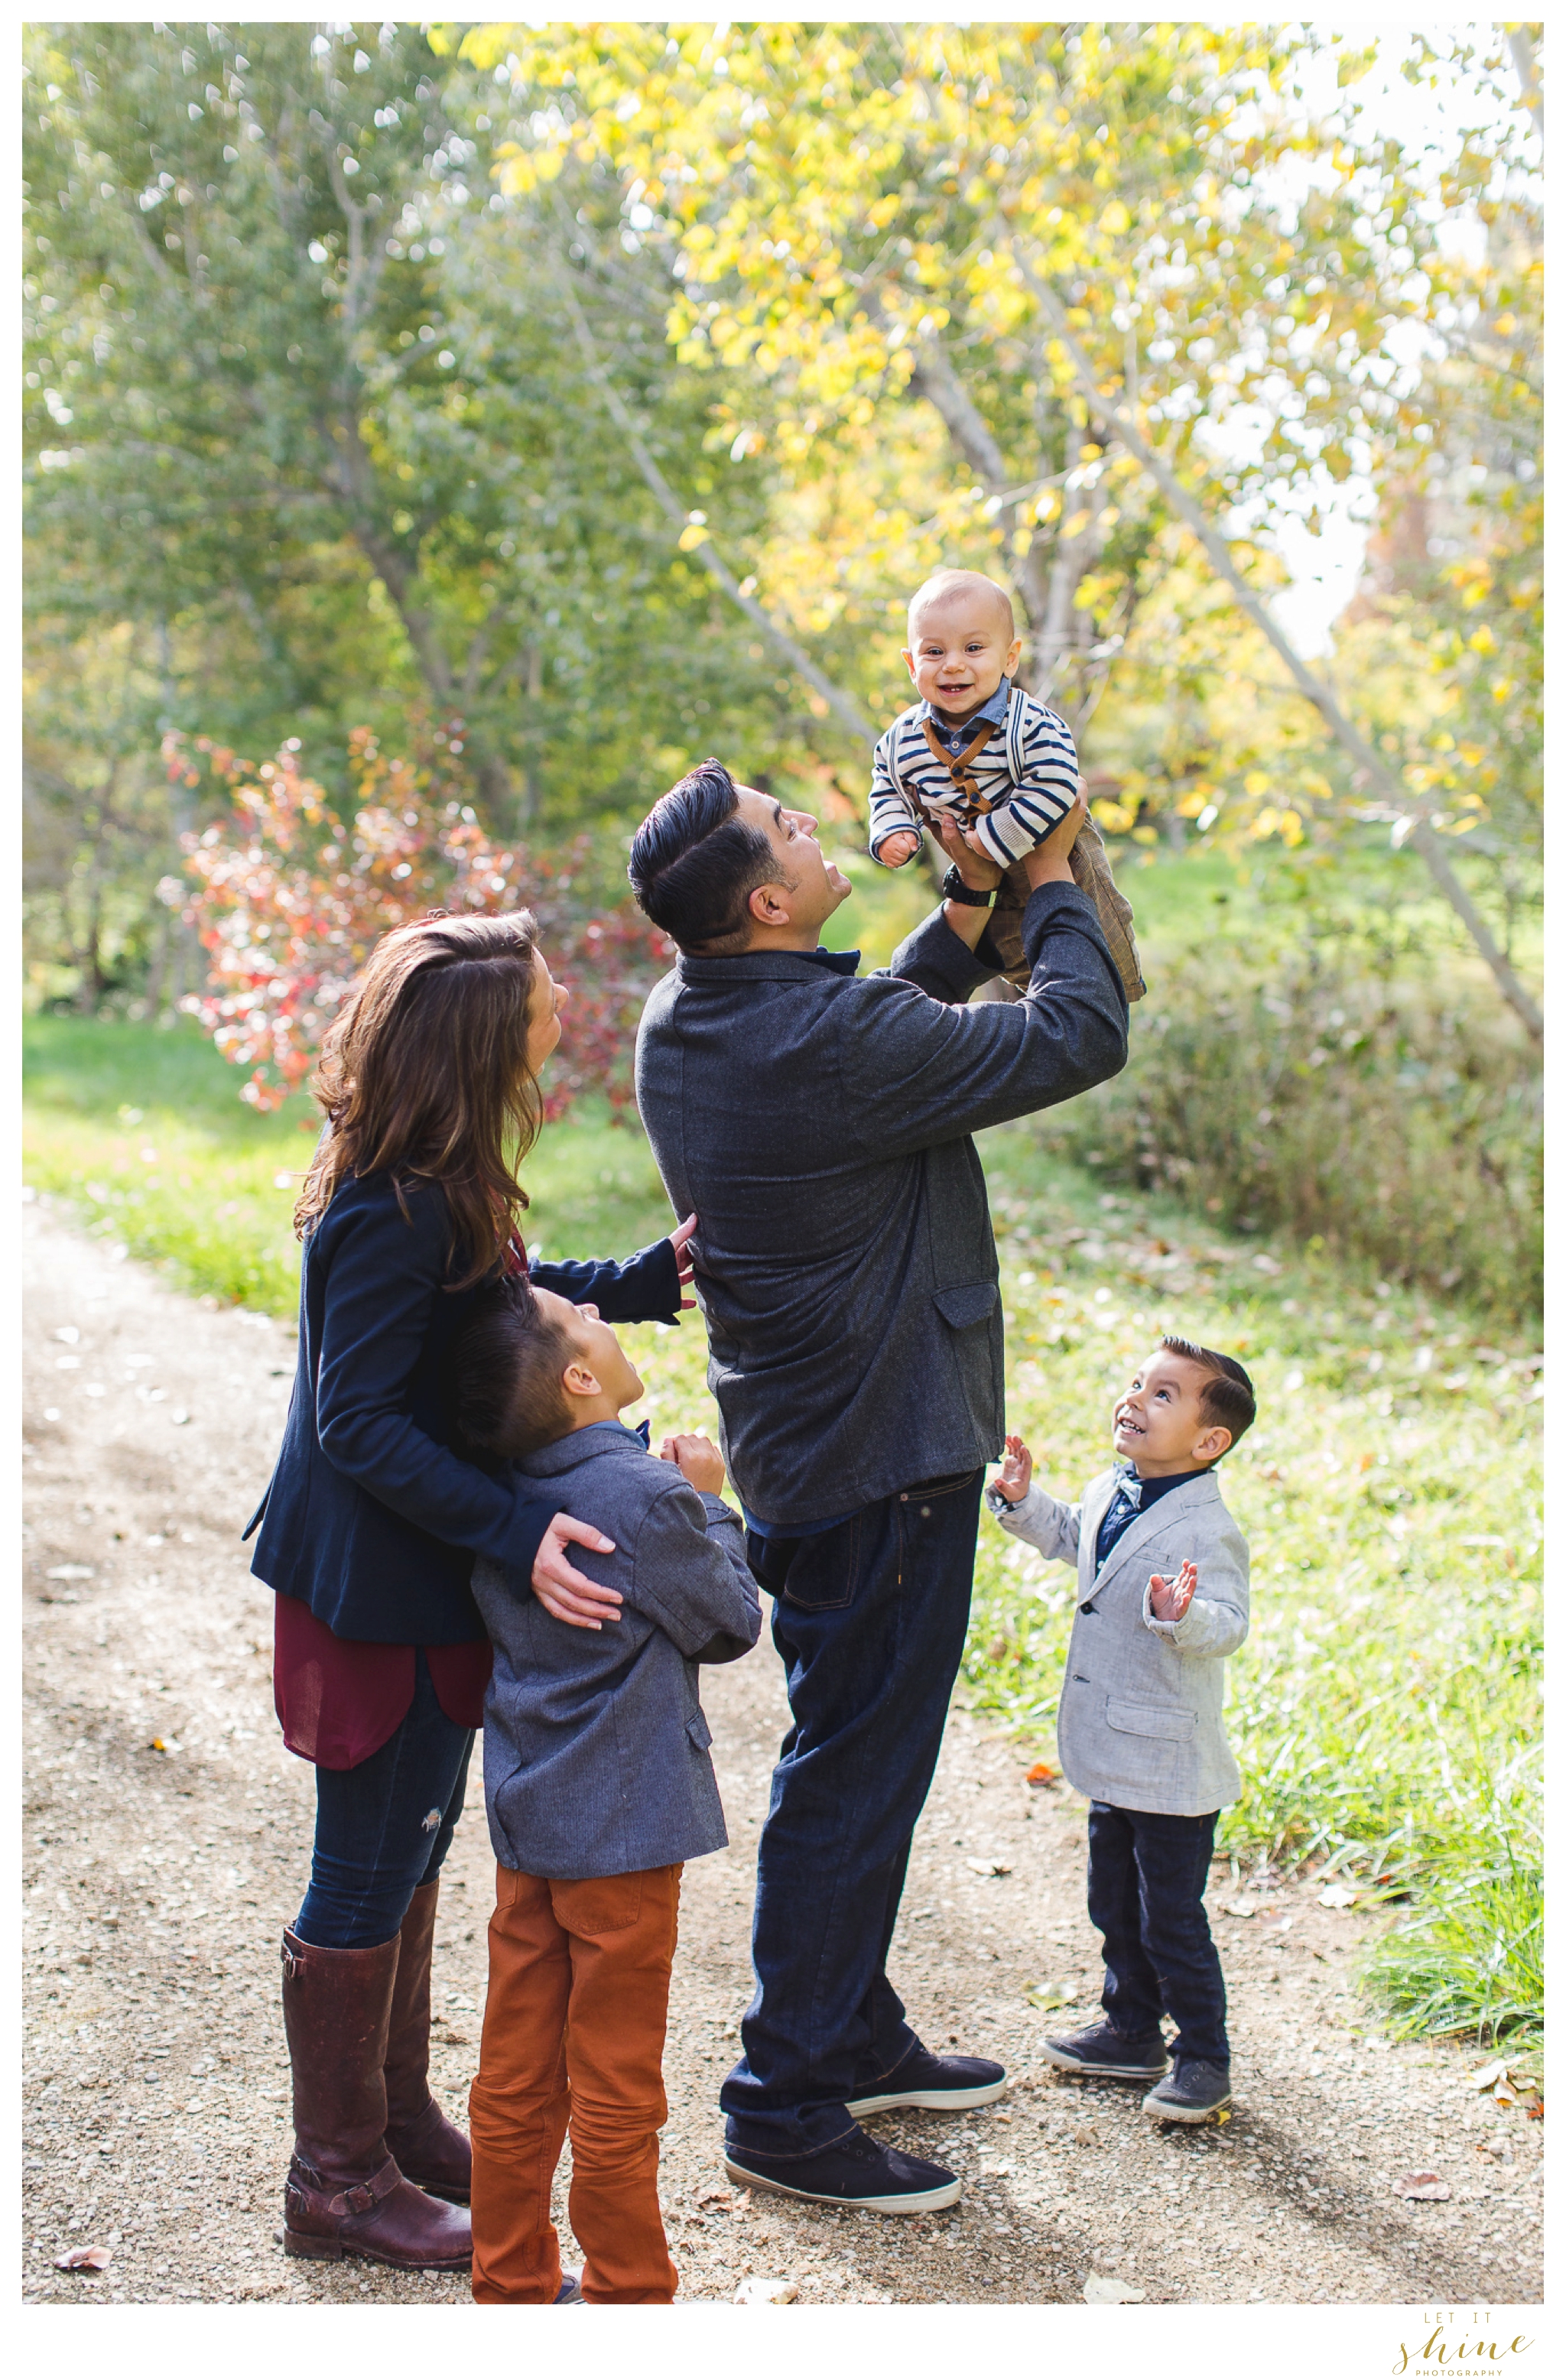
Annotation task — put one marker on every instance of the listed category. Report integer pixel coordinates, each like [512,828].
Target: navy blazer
[370,1517]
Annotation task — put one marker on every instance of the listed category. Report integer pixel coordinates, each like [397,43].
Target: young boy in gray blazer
[600,1785]
[1163,1594]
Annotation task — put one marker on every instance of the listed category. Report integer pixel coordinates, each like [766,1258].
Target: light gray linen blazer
[1141,1716]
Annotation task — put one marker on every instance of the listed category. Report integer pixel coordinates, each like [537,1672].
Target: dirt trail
[156,1880]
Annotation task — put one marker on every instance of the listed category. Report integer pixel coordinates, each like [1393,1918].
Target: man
[820,1127]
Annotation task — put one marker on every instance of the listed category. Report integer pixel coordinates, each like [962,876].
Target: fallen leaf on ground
[1102,2289]
[1484,2078]
[1422,2185]
[1048,1996]
[757,2291]
[1238,1908]
[1336,1896]
[989,1866]
[84,2260]
[1042,1774]
[70,1570]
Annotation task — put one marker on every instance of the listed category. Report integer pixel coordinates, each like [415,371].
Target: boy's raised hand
[698,1459]
[1170,1598]
[897,849]
[1016,1472]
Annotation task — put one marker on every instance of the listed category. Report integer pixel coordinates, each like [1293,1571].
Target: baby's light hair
[949,582]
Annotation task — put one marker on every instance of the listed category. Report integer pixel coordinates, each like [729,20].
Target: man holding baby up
[819,1124]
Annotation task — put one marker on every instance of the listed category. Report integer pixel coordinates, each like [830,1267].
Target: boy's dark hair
[504,1395]
[695,863]
[1229,1401]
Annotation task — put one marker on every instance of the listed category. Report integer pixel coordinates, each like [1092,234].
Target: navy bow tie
[643,1430]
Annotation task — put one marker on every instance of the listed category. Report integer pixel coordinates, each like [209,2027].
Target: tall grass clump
[1396,1119]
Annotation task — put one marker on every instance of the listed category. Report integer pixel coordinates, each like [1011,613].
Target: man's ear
[579,1381]
[768,904]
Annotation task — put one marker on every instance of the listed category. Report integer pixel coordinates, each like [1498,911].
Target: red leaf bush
[289,897]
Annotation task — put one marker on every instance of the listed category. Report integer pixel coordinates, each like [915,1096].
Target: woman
[368,1533]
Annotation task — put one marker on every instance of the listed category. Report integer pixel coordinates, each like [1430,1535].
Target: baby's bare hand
[1016,1472]
[897,850]
[1170,1599]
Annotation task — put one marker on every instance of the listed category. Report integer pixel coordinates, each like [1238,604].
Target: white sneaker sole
[1164,2115]
[916,2201]
[1065,2064]
[979,2095]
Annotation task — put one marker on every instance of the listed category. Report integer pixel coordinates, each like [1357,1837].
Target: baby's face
[961,647]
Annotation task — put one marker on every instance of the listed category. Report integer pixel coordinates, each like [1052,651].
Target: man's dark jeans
[1147,1873]
[870,1620]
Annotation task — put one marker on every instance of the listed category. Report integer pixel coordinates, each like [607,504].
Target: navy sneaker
[1099,2049]
[854,2172]
[943,2083]
[1194,2093]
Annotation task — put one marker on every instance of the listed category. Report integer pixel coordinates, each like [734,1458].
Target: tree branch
[843,704]
[1420,832]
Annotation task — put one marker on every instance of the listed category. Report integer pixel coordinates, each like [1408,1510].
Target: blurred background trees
[575,402]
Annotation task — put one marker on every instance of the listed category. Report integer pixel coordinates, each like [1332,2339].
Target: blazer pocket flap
[698,1731]
[1152,1718]
[970,1304]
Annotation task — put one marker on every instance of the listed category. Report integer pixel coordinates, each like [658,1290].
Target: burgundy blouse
[339,1699]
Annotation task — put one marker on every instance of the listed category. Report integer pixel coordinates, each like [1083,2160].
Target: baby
[1162,1594]
[980,750]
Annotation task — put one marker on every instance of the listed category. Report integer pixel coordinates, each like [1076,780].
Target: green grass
[1385,1710]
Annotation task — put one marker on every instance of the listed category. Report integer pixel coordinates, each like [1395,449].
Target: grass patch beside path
[1385,1710]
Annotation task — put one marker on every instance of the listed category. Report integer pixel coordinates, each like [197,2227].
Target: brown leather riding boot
[345,2194]
[427,2144]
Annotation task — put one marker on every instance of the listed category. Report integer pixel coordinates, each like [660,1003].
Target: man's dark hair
[695,863]
[503,1392]
[1228,1401]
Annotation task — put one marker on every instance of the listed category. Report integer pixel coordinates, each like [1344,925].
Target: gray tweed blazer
[1141,1717]
[595,1744]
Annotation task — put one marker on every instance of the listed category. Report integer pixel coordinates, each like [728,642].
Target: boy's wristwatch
[953,889]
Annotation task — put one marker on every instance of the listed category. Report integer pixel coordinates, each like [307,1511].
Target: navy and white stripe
[1029,775]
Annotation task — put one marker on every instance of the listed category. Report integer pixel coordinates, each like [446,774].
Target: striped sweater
[1024,781]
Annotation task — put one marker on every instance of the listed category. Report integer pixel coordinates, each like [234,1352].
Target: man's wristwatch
[953,889]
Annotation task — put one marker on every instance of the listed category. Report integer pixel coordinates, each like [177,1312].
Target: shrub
[290,898]
[1394,1121]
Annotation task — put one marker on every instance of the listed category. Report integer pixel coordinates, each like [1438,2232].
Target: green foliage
[1470,1960]
[1361,1098]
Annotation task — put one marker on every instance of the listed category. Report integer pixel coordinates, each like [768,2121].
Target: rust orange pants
[574,2026]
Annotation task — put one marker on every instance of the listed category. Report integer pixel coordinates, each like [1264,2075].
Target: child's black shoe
[1099,2049]
[1194,2093]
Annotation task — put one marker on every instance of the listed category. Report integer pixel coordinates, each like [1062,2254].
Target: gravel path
[165,1838]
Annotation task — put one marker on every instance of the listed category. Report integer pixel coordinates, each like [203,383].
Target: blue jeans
[870,1619]
[384,1829]
[1147,1873]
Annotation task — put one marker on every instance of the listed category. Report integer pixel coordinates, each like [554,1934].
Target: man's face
[960,647]
[1158,1422]
[810,888]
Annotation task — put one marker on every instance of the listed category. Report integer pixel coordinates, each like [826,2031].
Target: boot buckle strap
[363,2196]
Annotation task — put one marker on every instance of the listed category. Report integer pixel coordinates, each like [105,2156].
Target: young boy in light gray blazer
[600,1785]
[1163,1594]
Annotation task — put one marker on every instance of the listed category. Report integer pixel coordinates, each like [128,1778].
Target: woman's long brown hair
[424,1076]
